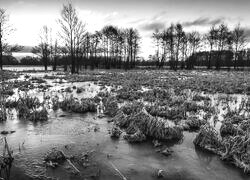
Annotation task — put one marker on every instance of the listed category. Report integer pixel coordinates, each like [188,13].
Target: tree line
[113,47]
[218,47]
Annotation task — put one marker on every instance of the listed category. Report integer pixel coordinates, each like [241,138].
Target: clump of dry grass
[174,113]
[138,136]
[154,127]
[233,146]
[128,93]
[236,151]
[116,132]
[193,123]
[54,156]
[132,108]
[38,115]
[228,129]
[137,122]
[111,106]
[55,102]
[3,114]
[208,139]
[6,160]
[26,105]
[78,106]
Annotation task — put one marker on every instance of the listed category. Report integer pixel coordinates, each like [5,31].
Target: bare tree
[179,34]
[4,32]
[72,31]
[184,49]
[54,54]
[211,38]
[194,39]
[157,39]
[239,41]
[222,40]
[43,49]
[169,42]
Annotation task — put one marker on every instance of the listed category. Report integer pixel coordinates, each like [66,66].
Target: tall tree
[157,39]
[179,39]
[170,42]
[239,41]
[4,32]
[211,38]
[54,54]
[72,31]
[194,39]
[184,49]
[43,49]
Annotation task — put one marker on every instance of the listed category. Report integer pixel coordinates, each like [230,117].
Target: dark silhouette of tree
[55,51]
[72,33]
[184,50]
[238,42]
[170,42]
[132,42]
[43,49]
[179,34]
[194,39]
[5,30]
[157,39]
[211,38]
[222,39]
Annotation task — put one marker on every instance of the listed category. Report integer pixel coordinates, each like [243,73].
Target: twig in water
[70,162]
[117,170]
[73,165]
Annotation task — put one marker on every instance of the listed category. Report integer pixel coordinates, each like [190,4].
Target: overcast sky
[28,16]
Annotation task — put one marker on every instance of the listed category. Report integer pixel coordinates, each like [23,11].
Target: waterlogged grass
[78,106]
[150,105]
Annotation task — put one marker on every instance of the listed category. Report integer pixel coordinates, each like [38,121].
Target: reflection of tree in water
[204,156]
[6,160]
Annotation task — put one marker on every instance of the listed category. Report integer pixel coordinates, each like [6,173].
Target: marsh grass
[69,103]
[6,160]
[137,123]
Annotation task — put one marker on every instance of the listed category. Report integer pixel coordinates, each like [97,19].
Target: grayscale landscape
[130,90]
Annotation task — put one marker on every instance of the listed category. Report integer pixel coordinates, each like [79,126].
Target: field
[138,124]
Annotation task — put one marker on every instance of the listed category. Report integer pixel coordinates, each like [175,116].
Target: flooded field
[94,119]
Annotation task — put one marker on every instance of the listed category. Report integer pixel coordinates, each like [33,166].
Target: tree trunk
[1,58]
[55,64]
[1,49]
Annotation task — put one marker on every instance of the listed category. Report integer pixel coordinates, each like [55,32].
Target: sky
[28,16]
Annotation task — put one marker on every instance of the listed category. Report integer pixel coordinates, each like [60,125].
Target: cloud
[159,16]
[203,21]
[151,26]
[136,21]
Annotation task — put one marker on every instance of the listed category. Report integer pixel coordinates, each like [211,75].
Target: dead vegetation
[6,160]
[139,124]
[78,106]
[233,145]
[153,105]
